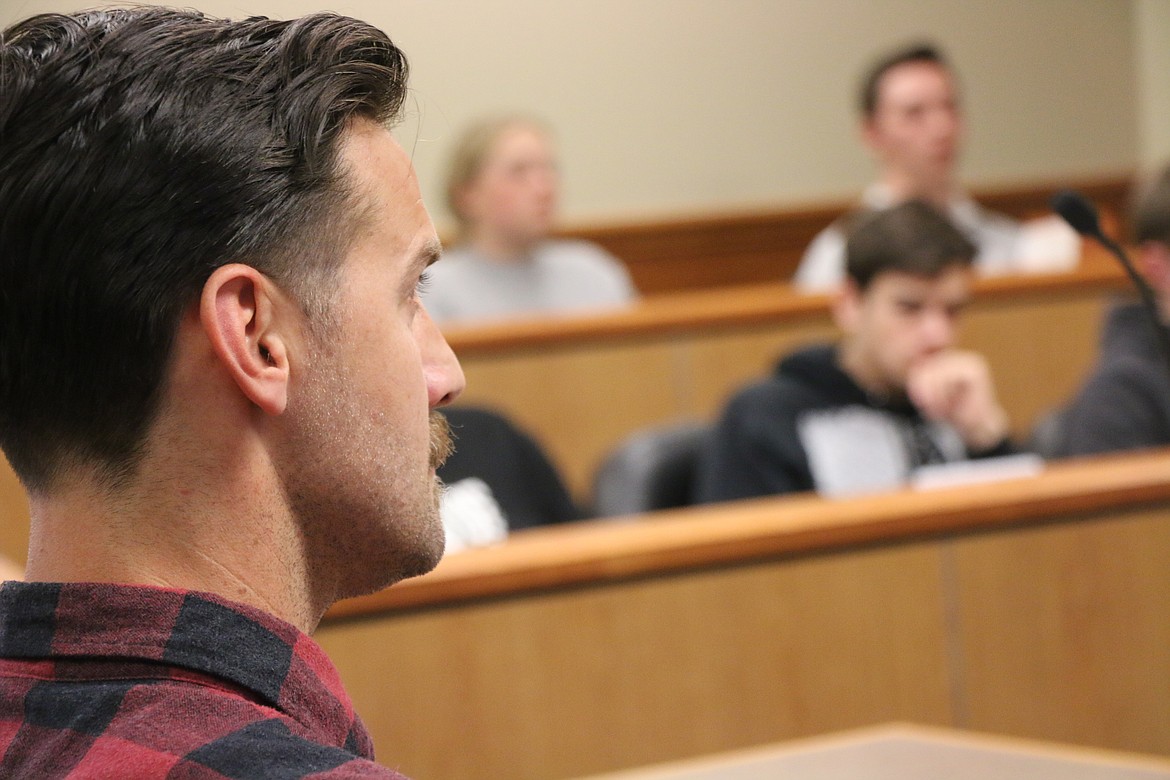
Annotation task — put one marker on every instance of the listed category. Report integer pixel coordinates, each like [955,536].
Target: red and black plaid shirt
[118,681]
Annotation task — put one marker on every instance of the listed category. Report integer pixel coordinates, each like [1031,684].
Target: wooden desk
[910,752]
[1034,607]
[582,384]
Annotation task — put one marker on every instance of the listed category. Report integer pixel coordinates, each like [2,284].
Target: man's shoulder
[586,269]
[1128,330]
[1131,375]
[1124,404]
[96,678]
[270,748]
[805,379]
[822,266]
[577,253]
[164,727]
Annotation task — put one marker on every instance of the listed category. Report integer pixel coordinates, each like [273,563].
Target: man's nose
[938,329]
[444,375]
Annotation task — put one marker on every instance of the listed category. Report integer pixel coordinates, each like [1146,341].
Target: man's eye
[424,282]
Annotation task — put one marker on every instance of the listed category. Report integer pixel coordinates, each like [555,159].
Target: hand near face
[955,387]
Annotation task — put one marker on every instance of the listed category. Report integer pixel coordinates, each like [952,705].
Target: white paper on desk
[1046,245]
[852,451]
[471,516]
[976,472]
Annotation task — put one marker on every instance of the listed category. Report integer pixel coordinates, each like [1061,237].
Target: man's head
[207,223]
[907,280]
[1151,231]
[1151,216]
[141,149]
[911,120]
[502,179]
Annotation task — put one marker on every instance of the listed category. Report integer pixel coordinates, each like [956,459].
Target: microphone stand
[1079,212]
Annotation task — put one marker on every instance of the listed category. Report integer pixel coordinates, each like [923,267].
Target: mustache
[441,443]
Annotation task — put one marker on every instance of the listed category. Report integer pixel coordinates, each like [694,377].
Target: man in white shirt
[912,124]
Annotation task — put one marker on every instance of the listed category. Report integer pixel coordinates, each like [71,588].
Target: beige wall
[679,106]
[1152,37]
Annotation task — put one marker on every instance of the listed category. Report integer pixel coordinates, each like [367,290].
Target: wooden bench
[581,384]
[1032,607]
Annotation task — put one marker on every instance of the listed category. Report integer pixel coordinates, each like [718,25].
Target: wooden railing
[1033,607]
[765,245]
[598,552]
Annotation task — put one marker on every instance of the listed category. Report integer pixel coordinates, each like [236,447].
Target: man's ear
[240,311]
[846,306]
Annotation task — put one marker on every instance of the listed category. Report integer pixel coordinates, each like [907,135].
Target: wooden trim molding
[765,245]
[700,311]
[622,549]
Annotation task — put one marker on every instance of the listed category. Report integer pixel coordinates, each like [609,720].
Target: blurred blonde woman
[503,187]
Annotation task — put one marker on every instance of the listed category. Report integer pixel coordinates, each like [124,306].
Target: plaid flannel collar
[270,659]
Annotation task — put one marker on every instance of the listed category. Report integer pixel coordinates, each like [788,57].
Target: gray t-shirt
[559,276]
[996,236]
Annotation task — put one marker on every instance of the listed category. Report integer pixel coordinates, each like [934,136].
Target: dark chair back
[1047,437]
[652,469]
[522,479]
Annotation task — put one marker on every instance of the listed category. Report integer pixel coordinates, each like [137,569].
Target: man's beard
[441,444]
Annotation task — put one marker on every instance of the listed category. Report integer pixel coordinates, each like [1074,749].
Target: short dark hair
[912,237]
[914,53]
[1151,214]
[140,149]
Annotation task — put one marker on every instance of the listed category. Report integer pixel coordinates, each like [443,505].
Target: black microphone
[1080,213]
[1077,211]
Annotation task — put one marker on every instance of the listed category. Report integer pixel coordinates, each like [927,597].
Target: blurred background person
[912,125]
[892,395]
[497,480]
[1125,403]
[503,187]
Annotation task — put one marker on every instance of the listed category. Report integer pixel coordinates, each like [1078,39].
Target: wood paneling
[1033,607]
[587,680]
[1066,631]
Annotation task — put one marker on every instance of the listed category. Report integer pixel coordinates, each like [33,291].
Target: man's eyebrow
[426,255]
[429,253]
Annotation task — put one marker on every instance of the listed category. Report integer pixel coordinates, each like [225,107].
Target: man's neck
[902,186]
[854,362]
[177,539]
[499,247]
